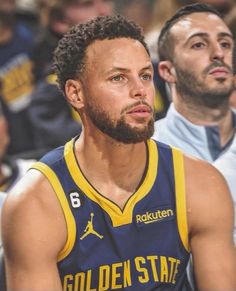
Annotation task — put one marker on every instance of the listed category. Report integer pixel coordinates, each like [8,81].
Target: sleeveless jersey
[143,246]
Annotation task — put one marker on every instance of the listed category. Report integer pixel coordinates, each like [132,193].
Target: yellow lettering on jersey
[79,281]
[115,275]
[67,283]
[144,278]
[176,271]
[127,274]
[172,268]
[164,269]
[119,275]
[88,282]
[153,260]
[150,217]
[104,276]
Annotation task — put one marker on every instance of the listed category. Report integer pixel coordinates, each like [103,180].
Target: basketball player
[113,209]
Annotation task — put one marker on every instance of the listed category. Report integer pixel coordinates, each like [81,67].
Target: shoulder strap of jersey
[180,196]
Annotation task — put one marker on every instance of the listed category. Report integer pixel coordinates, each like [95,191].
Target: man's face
[203,59]
[85,10]
[119,90]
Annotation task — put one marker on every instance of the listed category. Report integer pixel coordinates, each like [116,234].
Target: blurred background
[34,114]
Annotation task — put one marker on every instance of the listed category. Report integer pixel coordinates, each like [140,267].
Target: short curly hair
[70,54]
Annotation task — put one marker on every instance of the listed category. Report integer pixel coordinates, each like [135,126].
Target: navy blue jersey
[143,246]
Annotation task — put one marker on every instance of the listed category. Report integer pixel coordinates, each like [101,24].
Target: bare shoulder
[30,217]
[207,193]
[201,173]
[210,223]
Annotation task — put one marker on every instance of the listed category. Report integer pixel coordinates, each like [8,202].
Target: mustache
[217,64]
[131,106]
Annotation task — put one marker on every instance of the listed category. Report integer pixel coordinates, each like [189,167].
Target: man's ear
[74,93]
[167,71]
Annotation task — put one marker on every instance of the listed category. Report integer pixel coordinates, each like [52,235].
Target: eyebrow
[204,34]
[121,69]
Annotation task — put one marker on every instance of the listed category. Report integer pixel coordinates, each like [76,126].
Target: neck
[111,167]
[111,155]
[220,117]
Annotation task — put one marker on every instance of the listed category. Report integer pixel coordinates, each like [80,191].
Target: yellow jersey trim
[70,222]
[119,217]
[180,196]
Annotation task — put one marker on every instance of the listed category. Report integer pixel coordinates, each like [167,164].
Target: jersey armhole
[70,222]
[181,208]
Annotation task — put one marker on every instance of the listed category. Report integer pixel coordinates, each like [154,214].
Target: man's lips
[140,109]
[219,70]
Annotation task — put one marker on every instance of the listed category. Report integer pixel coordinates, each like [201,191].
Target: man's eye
[117,78]
[226,44]
[147,77]
[198,45]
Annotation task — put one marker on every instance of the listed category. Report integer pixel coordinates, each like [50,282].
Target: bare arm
[34,231]
[211,217]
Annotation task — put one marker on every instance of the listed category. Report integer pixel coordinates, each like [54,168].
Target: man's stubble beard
[196,92]
[120,130]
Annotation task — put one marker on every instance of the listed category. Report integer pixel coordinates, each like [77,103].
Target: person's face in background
[139,11]
[202,59]
[7,22]
[7,5]
[81,11]
[6,34]
[85,10]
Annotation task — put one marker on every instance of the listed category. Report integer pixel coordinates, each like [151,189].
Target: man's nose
[217,52]
[138,89]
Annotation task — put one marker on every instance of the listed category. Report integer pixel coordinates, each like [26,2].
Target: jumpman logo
[89,229]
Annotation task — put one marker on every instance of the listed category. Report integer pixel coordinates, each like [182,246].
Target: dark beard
[121,132]
[197,93]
